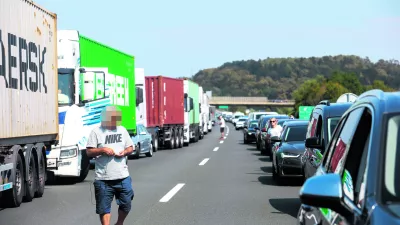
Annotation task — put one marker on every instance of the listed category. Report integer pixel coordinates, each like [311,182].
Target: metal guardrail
[249,100]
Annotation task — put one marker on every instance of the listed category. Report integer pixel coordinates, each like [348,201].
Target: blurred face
[111,118]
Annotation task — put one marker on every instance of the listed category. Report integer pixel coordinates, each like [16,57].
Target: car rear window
[297,133]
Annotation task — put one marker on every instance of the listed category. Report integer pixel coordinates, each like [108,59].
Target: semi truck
[192,112]
[141,97]
[202,119]
[91,76]
[207,113]
[165,108]
[28,93]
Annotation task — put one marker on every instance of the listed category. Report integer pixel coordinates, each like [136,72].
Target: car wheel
[150,153]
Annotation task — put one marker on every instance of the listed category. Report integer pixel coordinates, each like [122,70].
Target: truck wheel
[197,137]
[171,142]
[13,197]
[85,167]
[155,144]
[41,170]
[31,178]
[181,139]
[177,138]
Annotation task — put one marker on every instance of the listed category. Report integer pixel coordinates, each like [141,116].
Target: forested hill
[279,77]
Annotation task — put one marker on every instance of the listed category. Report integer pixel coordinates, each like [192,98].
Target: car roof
[333,109]
[295,123]
[388,102]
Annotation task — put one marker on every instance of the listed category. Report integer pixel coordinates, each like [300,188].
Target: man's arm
[93,152]
[128,145]
[92,148]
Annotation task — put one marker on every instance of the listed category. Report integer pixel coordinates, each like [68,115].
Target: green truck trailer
[91,76]
[192,112]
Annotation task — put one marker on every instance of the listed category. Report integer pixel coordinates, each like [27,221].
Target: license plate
[5,186]
[51,163]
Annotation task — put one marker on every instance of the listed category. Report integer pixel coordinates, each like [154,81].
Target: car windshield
[332,123]
[297,133]
[65,88]
[242,119]
[237,116]
[259,115]
[392,161]
[253,125]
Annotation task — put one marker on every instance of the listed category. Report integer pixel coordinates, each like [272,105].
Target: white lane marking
[204,161]
[172,192]
[225,137]
[221,142]
[216,149]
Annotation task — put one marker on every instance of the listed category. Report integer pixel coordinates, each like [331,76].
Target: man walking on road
[222,126]
[110,144]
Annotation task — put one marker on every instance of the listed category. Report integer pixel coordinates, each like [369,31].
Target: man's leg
[124,196]
[104,196]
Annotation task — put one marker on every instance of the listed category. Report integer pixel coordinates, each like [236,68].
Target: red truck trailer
[165,111]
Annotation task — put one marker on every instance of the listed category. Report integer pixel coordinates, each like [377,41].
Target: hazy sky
[180,37]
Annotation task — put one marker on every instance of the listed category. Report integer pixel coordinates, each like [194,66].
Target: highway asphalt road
[208,182]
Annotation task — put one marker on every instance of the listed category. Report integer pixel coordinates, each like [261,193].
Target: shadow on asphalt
[289,206]
[252,149]
[263,159]
[266,169]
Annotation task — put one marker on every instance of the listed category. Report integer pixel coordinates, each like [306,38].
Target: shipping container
[164,101]
[29,97]
[28,89]
[165,110]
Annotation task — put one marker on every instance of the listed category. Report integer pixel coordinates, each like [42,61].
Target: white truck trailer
[28,93]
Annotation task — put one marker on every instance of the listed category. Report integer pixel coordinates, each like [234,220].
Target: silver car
[143,142]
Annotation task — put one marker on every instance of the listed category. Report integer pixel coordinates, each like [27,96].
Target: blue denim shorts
[105,190]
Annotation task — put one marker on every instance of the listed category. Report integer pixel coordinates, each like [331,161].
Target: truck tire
[177,138]
[181,138]
[171,140]
[196,135]
[31,175]
[41,170]
[14,196]
[155,143]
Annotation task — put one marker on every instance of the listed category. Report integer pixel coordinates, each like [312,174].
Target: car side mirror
[143,133]
[325,191]
[314,142]
[275,139]
[256,128]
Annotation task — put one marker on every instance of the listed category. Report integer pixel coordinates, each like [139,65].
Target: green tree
[334,90]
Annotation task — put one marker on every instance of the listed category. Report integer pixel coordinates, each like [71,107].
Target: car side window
[331,145]
[356,160]
[343,142]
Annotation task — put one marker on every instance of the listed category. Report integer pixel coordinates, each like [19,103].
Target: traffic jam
[346,156]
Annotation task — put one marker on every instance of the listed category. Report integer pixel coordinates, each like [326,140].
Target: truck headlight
[68,152]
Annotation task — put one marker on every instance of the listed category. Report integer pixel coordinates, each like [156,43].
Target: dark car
[358,181]
[323,121]
[249,133]
[286,159]
[262,130]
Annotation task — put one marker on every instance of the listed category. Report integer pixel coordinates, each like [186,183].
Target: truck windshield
[65,88]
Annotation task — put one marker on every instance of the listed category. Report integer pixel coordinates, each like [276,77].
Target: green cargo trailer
[192,112]
[120,80]
[194,117]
